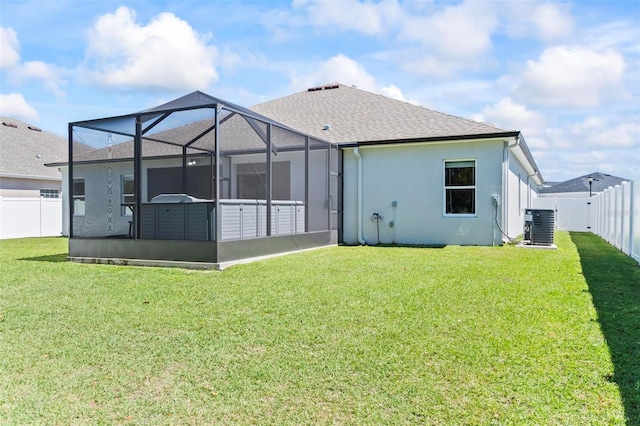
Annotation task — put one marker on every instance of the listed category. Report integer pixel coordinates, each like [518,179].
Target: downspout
[529,176]
[505,183]
[356,152]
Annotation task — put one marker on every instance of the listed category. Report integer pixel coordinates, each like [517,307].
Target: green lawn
[344,335]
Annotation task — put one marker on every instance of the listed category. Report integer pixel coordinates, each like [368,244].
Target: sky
[564,73]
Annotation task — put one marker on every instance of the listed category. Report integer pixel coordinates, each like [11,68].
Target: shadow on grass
[60,257]
[614,284]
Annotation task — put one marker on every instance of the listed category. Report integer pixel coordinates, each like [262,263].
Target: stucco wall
[517,199]
[413,176]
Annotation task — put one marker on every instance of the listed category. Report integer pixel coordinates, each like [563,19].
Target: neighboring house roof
[354,115]
[601,181]
[24,150]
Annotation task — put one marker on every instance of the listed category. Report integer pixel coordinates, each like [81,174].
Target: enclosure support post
[184,170]
[268,189]
[70,183]
[631,220]
[216,199]
[137,173]
[328,186]
[306,184]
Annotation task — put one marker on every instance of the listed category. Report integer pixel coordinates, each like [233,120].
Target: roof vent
[4,123]
[326,127]
[325,87]
[35,129]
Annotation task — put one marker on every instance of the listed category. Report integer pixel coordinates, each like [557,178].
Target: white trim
[474,187]
[34,177]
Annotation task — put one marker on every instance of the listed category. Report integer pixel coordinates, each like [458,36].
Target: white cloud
[607,132]
[19,72]
[339,68]
[9,48]
[546,21]
[394,92]
[14,105]
[47,73]
[572,76]
[344,70]
[609,144]
[620,35]
[166,53]
[511,115]
[351,15]
[462,31]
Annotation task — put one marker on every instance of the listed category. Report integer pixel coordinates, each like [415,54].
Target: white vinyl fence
[616,213]
[571,214]
[30,217]
[612,214]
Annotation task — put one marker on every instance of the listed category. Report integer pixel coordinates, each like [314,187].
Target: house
[580,187]
[30,193]
[433,178]
[332,164]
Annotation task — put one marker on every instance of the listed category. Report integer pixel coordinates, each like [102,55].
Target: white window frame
[124,210]
[79,200]
[473,187]
[49,193]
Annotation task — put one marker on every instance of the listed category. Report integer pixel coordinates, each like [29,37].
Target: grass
[615,287]
[345,335]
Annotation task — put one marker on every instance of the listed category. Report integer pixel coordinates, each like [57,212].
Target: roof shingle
[355,115]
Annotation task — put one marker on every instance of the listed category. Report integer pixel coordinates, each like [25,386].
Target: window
[127,197]
[252,181]
[252,186]
[78,197]
[49,193]
[460,187]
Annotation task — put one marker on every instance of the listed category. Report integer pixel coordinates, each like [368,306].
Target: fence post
[632,219]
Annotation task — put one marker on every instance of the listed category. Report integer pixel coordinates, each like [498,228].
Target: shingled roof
[24,150]
[601,181]
[344,114]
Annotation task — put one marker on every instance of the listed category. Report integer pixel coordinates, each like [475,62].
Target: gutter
[454,138]
[356,152]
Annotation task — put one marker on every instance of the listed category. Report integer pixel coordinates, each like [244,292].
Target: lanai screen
[197,168]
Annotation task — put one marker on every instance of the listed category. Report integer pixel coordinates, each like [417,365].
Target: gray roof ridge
[386,98]
[29,126]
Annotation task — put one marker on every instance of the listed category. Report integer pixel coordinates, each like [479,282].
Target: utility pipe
[356,152]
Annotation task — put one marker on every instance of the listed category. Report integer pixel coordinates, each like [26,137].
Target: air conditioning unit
[539,225]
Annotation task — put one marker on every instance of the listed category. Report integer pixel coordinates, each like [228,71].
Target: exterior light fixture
[590,179]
